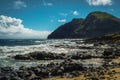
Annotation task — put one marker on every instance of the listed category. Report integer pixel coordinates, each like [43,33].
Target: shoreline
[68,69]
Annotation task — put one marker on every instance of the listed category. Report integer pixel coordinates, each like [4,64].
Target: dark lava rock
[6,69]
[36,78]
[67,68]
[81,56]
[39,56]
[4,78]
[108,52]
[71,74]
[15,78]
[94,78]
[21,57]
[117,52]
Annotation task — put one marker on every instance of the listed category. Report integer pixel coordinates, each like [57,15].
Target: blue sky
[44,16]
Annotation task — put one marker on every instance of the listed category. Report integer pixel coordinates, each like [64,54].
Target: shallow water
[13,47]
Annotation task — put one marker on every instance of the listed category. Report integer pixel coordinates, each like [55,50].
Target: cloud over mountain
[99,2]
[62,20]
[13,28]
[75,13]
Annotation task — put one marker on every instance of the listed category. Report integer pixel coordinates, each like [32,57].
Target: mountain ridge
[95,24]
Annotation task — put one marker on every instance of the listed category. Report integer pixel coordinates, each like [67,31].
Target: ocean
[11,47]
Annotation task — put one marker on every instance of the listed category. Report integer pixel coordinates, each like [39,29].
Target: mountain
[95,24]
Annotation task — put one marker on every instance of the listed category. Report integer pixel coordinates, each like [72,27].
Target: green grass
[102,15]
[115,35]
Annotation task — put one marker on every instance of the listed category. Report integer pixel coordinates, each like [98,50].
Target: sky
[36,19]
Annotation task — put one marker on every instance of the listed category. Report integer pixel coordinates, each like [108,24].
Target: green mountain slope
[96,24]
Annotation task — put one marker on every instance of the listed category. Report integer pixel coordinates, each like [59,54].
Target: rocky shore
[70,68]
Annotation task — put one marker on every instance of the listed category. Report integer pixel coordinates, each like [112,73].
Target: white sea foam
[44,45]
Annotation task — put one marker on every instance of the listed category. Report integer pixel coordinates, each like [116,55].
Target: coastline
[71,68]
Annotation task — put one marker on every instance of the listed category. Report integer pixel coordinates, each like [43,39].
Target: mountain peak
[95,24]
[100,15]
[76,19]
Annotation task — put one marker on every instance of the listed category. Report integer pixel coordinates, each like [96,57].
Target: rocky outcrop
[39,56]
[95,24]
[67,68]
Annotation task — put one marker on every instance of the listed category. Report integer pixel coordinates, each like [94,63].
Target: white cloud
[19,4]
[63,14]
[99,2]
[47,3]
[75,13]
[13,28]
[62,20]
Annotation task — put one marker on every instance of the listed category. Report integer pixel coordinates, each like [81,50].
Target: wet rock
[94,78]
[37,71]
[36,78]
[58,72]
[69,66]
[39,56]
[6,69]
[4,78]
[117,52]
[22,68]
[21,57]
[14,73]
[15,78]
[108,52]
[23,74]
[71,74]
[81,56]
[75,73]
[76,56]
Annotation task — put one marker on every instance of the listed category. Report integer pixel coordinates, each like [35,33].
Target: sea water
[11,47]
